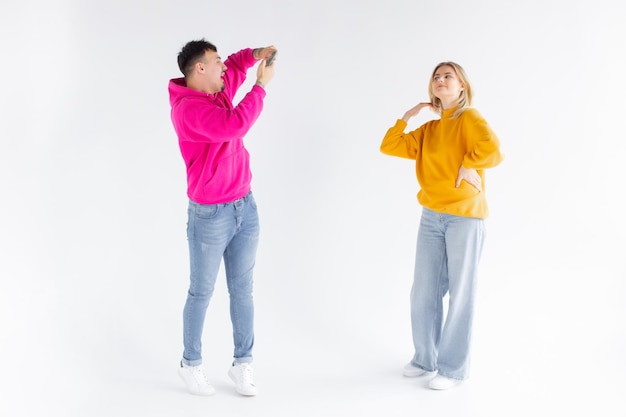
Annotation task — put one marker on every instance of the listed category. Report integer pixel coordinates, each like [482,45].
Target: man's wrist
[258,82]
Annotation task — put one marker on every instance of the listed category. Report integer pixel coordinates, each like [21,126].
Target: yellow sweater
[439,147]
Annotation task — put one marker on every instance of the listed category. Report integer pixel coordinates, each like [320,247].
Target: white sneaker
[195,380]
[441,382]
[411,370]
[241,374]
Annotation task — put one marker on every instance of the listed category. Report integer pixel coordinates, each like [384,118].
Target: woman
[451,154]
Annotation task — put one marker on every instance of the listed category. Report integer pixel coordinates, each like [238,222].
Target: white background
[93,255]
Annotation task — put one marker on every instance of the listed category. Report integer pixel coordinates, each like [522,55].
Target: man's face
[212,69]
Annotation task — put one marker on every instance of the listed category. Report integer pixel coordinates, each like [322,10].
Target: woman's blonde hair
[465,97]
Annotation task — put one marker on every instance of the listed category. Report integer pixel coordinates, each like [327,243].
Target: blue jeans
[215,231]
[446,261]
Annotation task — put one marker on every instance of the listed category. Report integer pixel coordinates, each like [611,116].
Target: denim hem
[456,378]
[423,368]
[247,359]
[195,362]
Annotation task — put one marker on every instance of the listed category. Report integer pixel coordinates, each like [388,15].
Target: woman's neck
[449,104]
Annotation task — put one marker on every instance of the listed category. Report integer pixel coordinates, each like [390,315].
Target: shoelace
[246,374]
[199,375]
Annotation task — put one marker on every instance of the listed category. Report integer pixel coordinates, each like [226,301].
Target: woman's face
[446,85]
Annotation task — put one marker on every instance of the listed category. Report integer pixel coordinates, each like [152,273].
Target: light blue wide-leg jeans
[215,232]
[446,261]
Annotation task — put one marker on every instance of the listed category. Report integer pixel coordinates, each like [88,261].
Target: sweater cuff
[250,57]
[259,89]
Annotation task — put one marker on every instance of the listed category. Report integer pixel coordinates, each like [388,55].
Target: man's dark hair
[191,53]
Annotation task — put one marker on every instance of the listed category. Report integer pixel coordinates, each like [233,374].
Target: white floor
[110,358]
[292,388]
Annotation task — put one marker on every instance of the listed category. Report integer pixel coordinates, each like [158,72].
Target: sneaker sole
[443,385]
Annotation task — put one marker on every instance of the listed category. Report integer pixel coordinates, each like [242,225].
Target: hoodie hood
[178,90]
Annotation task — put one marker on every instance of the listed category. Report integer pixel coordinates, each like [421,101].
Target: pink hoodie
[210,133]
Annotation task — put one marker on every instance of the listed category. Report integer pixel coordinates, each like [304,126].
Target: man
[222,214]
